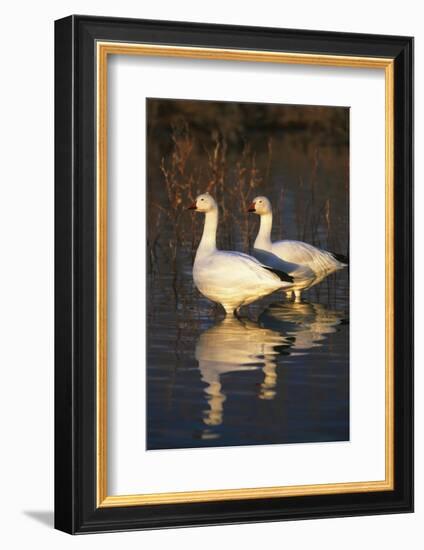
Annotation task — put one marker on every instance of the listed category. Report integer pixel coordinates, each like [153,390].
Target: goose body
[308,264]
[232,279]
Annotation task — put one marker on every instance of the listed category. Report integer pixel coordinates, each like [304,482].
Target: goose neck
[263,240]
[208,242]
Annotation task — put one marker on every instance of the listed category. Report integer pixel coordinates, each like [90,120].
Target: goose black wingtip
[282,275]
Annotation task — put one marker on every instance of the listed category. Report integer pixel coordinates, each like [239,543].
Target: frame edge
[69,517]
[64,448]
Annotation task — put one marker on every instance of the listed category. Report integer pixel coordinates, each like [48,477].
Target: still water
[279,375]
[282,378]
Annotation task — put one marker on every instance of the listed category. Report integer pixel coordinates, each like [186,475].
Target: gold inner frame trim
[104,49]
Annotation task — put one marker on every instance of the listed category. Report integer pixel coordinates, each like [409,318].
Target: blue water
[280,375]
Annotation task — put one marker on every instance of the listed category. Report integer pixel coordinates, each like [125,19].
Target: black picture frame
[76,510]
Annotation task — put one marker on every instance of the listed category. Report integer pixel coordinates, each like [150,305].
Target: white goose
[309,265]
[232,279]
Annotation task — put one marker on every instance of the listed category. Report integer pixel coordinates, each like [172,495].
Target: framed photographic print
[233,274]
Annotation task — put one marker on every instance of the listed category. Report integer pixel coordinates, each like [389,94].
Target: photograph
[247,255]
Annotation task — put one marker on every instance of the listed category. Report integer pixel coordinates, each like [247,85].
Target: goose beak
[192,206]
[252,208]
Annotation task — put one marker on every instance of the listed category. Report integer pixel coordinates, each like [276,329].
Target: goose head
[203,203]
[260,205]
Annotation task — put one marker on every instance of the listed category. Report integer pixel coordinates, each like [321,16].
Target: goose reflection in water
[239,346]
[231,346]
[307,324]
